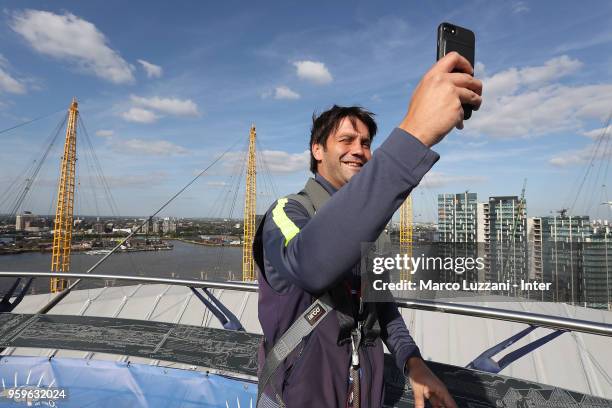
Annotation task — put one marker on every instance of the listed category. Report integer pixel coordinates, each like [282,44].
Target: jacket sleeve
[317,254]
[395,334]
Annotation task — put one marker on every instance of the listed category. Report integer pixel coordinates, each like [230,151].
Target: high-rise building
[30,223]
[146,226]
[457,217]
[149,226]
[483,237]
[22,221]
[507,244]
[576,257]
[563,237]
[597,265]
[457,224]
[19,223]
[534,248]
[169,225]
[155,227]
[482,223]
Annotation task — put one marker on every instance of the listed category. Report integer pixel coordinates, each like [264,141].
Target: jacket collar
[326,184]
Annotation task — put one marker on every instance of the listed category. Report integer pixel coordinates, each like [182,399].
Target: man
[304,254]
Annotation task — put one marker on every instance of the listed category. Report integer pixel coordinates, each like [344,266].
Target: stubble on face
[346,151]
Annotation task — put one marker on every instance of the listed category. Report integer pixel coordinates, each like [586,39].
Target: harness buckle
[355,344]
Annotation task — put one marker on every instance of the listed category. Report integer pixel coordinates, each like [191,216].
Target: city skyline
[163,92]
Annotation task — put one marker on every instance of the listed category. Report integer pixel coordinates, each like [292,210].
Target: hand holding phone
[454,38]
[437,103]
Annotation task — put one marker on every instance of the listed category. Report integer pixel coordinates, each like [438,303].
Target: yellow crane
[248,271]
[62,230]
[406,234]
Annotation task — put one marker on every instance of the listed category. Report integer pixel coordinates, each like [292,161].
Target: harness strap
[312,198]
[303,325]
[317,194]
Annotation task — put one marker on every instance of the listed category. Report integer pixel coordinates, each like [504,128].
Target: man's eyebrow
[350,134]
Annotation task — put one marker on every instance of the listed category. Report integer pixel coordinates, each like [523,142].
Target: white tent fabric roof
[574,361]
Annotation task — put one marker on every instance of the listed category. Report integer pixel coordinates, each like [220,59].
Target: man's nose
[357,148]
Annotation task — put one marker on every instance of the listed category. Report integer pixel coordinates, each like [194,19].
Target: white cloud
[139,115]
[283,92]
[313,71]
[508,82]
[105,133]
[279,161]
[553,69]
[436,179]
[479,69]
[581,156]
[587,41]
[10,84]
[520,7]
[148,147]
[527,102]
[216,183]
[276,161]
[139,181]
[68,37]
[469,153]
[171,106]
[568,159]
[595,133]
[152,70]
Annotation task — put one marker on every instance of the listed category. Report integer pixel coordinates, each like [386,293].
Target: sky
[164,90]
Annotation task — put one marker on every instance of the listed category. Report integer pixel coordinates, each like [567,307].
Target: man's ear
[317,151]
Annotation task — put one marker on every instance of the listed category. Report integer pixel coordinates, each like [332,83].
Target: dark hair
[327,123]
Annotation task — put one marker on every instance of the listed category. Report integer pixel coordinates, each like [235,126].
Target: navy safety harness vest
[361,329]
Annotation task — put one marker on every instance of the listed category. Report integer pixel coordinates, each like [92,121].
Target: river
[188,261]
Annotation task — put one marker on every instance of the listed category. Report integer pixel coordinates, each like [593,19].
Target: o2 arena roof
[574,361]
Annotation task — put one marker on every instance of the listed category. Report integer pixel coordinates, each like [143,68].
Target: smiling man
[322,343]
[340,144]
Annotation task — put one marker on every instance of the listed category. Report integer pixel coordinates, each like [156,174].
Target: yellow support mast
[62,231]
[248,270]
[406,234]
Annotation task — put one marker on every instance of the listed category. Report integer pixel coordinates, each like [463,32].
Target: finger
[419,401]
[453,62]
[466,81]
[448,401]
[435,401]
[468,97]
[459,125]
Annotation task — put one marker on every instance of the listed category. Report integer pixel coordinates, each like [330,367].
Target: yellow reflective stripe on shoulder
[287,227]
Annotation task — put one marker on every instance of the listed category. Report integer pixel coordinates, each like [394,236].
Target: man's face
[345,153]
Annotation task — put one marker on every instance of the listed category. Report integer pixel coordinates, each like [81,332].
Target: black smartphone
[454,38]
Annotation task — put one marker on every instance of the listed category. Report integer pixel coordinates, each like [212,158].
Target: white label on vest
[314,314]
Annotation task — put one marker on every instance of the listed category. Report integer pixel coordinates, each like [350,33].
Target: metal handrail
[562,323]
[248,287]
[536,319]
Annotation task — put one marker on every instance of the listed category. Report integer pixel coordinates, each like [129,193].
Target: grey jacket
[304,257]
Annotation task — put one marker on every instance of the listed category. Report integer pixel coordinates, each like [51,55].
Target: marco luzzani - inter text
[458,265]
